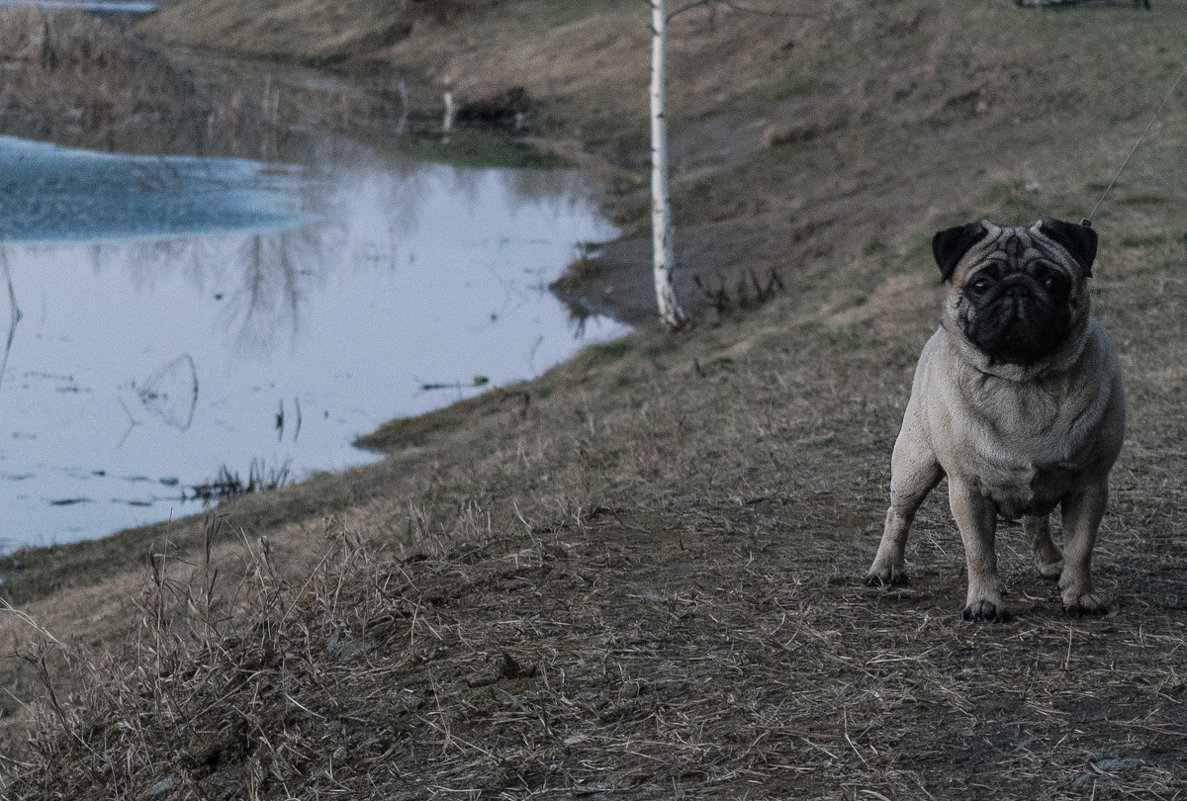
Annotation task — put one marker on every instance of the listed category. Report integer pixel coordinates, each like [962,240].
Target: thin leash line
[1088,220]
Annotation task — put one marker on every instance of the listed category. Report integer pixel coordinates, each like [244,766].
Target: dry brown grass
[639,576]
[68,77]
[312,31]
[629,595]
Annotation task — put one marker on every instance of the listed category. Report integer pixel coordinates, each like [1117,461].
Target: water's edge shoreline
[30,572]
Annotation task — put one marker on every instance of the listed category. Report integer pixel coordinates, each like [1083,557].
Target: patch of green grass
[470,149]
[781,91]
[1143,241]
[849,339]
[850,301]
[1144,200]
[607,351]
[655,347]
[771,340]
[918,247]
[555,13]
[1014,202]
[577,274]
[874,247]
[779,88]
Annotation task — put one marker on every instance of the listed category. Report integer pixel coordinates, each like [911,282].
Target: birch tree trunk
[662,234]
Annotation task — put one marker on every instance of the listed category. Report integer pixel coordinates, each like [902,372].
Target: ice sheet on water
[50,193]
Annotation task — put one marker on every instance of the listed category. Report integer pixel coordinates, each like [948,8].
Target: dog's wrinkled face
[1016,294]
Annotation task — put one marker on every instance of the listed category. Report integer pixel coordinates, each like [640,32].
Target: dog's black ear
[1078,240]
[950,245]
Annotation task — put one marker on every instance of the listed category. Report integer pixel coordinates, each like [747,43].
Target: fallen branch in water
[479,381]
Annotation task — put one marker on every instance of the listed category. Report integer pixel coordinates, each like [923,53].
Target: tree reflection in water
[14,312]
[368,276]
[273,270]
[261,279]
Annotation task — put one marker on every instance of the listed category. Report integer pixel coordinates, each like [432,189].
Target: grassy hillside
[639,576]
[307,29]
[300,30]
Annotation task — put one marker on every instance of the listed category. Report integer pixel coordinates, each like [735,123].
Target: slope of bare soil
[639,576]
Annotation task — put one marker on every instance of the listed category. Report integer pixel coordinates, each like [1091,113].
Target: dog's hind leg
[1048,559]
[914,472]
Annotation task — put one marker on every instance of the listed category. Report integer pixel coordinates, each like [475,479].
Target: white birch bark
[402,123]
[662,233]
[447,122]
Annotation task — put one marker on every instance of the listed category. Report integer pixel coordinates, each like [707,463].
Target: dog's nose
[1016,298]
[1016,290]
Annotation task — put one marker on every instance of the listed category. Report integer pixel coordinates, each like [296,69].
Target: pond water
[171,317]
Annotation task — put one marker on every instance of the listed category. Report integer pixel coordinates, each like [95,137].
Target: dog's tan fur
[1013,439]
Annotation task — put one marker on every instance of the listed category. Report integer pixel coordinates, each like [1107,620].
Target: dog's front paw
[1078,596]
[886,577]
[1087,604]
[986,611]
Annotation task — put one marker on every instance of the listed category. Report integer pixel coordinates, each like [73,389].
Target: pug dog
[1018,400]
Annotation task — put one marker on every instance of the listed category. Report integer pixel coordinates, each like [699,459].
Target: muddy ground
[639,576]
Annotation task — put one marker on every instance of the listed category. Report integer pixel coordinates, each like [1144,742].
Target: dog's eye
[978,286]
[1051,279]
